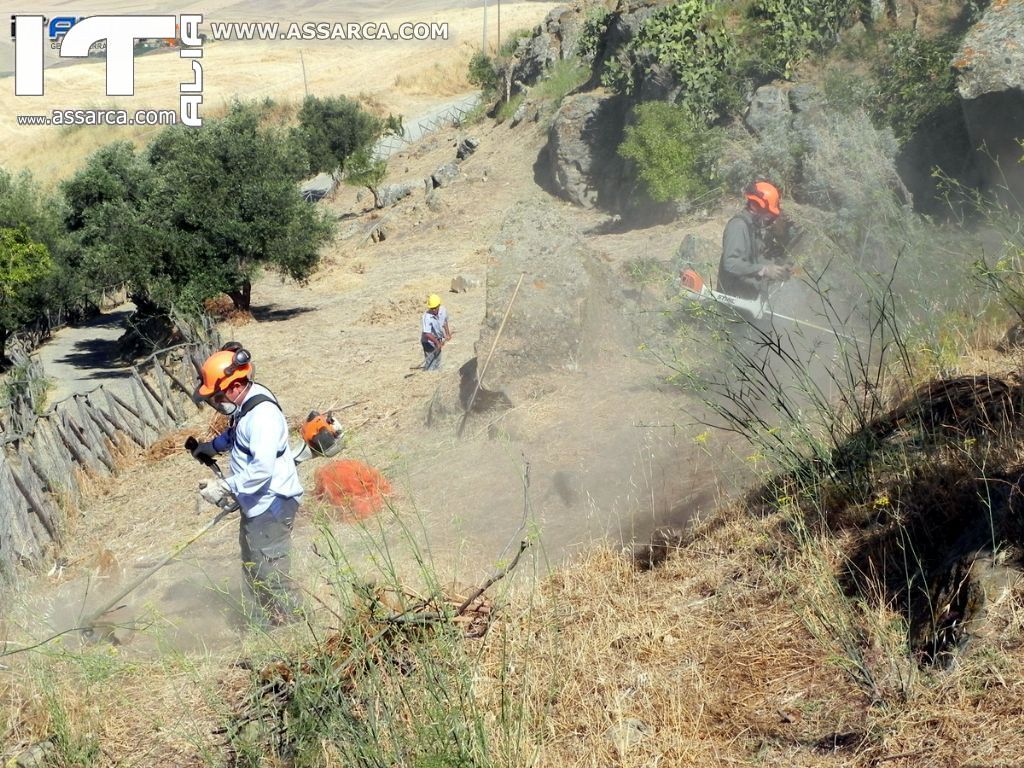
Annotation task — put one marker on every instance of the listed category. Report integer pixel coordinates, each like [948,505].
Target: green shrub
[846,91]
[483,73]
[787,32]
[592,33]
[691,39]
[915,80]
[564,77]
[674,151]
[508,108]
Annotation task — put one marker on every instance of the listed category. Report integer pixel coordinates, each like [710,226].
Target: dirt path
[82,357]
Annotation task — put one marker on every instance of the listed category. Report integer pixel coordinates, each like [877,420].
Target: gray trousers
[432,359]
[266,544]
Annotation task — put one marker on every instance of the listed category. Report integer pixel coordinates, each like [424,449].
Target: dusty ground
[611,452]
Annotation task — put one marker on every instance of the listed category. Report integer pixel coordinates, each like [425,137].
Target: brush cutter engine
[323,434]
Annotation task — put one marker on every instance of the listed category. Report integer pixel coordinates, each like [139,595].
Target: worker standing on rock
[434,332]
[749,263]
[263,477]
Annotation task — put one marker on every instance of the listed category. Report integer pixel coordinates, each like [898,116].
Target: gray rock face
[624,26]
[466,147]
[445,175]
[544,329]
[552,41]
[769,109]
[570,148]
[390,194]
[990,81]
[991,59]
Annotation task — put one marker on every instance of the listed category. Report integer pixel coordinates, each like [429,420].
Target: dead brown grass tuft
[172,444]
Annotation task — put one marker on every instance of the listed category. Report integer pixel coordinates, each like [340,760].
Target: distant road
[80,358]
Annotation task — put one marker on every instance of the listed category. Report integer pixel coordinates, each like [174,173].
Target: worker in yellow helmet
[434,332]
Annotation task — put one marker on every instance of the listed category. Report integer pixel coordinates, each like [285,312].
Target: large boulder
[389,194]
[990,81]
[769,109]
[580,153]
[545,327]
[544,330]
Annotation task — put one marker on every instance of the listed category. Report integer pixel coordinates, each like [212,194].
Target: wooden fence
[44,460]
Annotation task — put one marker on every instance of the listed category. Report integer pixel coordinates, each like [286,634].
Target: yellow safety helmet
[433,301]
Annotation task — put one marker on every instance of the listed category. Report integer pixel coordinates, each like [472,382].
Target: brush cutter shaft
[173,554]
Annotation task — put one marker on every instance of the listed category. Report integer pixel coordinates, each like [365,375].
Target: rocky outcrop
[990,82]
[581,161]
[444,175]
[546,324]
[552,41]
[544,329]
[571,150]
[769,108]
[389,194]
[467,147]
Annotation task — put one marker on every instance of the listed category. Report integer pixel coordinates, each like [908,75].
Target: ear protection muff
[241,357]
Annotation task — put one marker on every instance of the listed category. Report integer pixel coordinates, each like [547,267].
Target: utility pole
[305,85]
[485,29]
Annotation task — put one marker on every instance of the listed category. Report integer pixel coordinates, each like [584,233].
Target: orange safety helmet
[764,195]
[222,369]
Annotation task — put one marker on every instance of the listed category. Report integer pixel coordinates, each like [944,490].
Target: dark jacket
[744,254]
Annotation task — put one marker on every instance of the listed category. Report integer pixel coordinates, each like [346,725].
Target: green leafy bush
[787,32]
[24,267]
[483,73]
[592,33]
[915,80]
[690,39]
[674,151]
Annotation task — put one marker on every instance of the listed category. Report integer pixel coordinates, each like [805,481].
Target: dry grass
[442,78]
[710,661]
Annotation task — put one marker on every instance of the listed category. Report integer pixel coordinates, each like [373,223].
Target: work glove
[774,272]
[204,452]
[216,492]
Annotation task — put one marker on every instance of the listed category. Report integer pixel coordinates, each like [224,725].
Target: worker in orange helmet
[263,477]
[747,266]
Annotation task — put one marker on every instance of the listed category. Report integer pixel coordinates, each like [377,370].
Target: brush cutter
[89,623]
[750,309]
[322,436]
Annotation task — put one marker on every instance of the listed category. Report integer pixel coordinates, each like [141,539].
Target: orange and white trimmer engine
[691,281]
[323,434]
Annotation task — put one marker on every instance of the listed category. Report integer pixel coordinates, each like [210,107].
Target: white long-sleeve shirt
[262,466]
[431,323]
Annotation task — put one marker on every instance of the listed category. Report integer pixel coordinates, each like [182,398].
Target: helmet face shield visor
[220,403]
